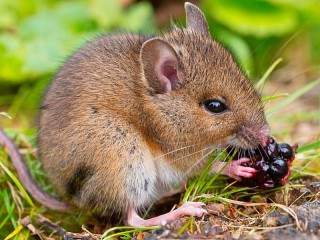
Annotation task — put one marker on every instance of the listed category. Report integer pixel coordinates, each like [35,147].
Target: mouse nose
[252,137]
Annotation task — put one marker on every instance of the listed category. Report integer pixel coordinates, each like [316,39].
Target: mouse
[129,116]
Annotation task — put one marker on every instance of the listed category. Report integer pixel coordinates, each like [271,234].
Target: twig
[62,232]
[26,222]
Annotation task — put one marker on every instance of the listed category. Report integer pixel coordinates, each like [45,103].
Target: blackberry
[285,150]
[271,162]
[278,169]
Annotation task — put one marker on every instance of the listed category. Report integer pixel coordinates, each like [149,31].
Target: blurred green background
[36,36]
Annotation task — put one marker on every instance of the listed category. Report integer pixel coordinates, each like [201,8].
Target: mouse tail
[27,180]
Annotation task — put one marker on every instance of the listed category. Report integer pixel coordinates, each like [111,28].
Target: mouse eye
[215,106]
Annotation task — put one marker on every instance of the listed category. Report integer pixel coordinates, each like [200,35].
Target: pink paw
[236,171]
[188,208]
[191,209]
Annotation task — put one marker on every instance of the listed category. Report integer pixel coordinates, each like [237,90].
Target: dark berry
[260,165]
[278,169]
[285,150]
[267,182]
[271,163]
[272,149]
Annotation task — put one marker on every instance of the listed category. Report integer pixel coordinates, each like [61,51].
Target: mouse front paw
[235,169]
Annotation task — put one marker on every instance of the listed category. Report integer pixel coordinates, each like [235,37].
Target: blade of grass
[306,170]
[309,146]
[293,97]
[228,186]
[269,98]
[198,183]
[214,178]
[268,72]
[9,206]
[203,184]
[186,225]
[208,184]
[5,115]
[126,231]
[15,232]
[216,197]
[17,183]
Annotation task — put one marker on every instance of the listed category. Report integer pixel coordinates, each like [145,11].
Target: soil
[301,220]
[292,212]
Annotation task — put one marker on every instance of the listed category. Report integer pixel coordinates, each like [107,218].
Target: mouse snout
[250,137]
[264,136]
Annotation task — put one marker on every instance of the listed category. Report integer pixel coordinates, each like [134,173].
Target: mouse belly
[142,184]
[152,181]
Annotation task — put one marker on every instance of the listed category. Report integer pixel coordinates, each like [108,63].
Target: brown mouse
[128,116]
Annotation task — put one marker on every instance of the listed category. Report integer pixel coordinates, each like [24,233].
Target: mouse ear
[160,66]
[196,19]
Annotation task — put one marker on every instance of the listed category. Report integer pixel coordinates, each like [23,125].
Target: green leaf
[8,206]
[15,232]
[254,17]
[139,17]
[46,42]
[75,16]
[238,46]
[107,14]
[12,56]
[8,16]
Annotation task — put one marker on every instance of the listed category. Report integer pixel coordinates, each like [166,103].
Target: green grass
[124,232]
[16,201]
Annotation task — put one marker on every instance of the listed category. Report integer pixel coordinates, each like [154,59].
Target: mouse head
[196,91]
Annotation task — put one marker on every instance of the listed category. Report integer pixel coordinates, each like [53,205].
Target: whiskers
[178,150]
[200,160]
[189,154]
[209,150]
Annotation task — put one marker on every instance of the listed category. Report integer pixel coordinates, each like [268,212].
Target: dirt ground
[300,221]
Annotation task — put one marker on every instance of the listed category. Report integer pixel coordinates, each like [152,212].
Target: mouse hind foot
[188,208]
